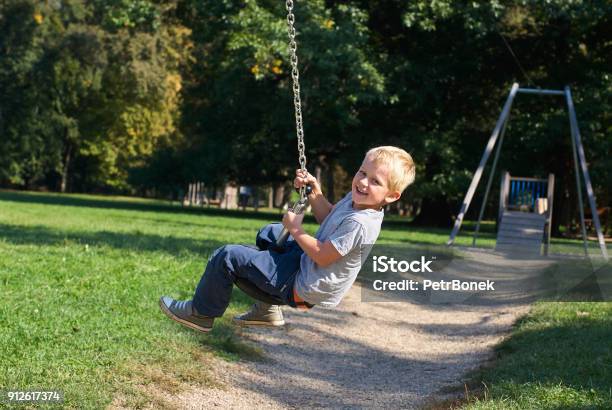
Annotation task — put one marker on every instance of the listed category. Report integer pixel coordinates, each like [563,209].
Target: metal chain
[295,74]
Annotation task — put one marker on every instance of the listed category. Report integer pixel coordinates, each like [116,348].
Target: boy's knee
[219,263]
[227,256]
[229,251]
[268,235]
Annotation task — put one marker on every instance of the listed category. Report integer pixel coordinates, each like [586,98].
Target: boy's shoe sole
[243,322]
[182,321]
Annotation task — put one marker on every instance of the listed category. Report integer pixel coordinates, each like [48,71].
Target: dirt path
[364,355]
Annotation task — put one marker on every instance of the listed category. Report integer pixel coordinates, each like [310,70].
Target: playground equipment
[508,229]
[525,214]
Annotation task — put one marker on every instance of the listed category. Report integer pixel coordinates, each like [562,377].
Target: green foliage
[243,92]
[131,14]
[95,94]
[98,89]
[476,16]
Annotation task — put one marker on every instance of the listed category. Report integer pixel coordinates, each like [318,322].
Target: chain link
[295,75]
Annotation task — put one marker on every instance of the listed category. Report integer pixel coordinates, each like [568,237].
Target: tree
[242,90]
[452,71]
[101,82]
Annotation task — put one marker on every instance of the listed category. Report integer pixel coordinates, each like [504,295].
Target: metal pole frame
[490,181]
[579,161]
[483,161]
[540,91]
[503,195]
[550,196]
[578,189]
[577,144]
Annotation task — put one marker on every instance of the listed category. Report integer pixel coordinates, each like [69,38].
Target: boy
[312,271]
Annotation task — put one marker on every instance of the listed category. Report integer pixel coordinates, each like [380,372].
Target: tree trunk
[65,168]
[279,196]
[561,209]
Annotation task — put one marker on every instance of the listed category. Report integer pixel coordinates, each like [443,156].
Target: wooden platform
[521,233]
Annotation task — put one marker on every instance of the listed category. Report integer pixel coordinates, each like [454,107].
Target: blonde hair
[400,163]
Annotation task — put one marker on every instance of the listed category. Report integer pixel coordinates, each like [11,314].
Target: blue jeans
[271,271]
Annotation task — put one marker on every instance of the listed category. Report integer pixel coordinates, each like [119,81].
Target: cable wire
[516,60]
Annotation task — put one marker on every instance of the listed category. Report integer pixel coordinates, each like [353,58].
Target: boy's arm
[321,207]
[322,253]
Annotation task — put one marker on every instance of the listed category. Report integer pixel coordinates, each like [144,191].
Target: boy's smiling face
[370,186]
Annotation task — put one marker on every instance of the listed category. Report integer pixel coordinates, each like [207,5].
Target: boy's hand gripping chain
[297,208]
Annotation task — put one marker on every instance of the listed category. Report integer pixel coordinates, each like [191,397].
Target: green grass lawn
[80,284]
[558,357]
[81,277]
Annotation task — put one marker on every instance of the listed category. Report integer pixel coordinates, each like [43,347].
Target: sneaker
[261,314]
[184,313]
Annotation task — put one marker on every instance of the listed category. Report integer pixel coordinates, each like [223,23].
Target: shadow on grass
[102,203]
[125,204]
[40,235]
[224,340]
[392,224]
[190,223]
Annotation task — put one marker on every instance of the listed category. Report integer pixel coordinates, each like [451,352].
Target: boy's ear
[392,197]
